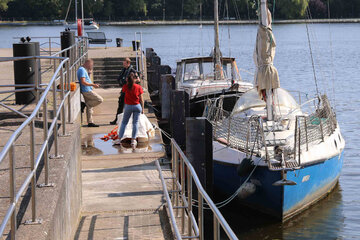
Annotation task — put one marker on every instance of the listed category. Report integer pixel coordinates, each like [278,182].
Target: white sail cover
[266,77]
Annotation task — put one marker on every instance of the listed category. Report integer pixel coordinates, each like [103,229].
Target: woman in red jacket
[134,105]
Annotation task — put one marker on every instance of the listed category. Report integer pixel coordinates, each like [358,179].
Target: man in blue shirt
[92,99]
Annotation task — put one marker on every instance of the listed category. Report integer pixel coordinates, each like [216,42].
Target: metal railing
[47,45]
[314,127]
[64,73]
[183,178]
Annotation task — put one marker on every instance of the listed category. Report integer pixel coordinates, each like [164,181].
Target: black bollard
[167,84]
[24,71]
[179,111]
[119,42]
[199,150]
[136,45]
[67,39]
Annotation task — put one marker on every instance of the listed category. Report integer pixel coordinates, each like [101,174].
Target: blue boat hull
[313,182]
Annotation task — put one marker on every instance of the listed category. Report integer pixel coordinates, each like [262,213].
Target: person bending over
[122,81]
[134,105]
[92,99]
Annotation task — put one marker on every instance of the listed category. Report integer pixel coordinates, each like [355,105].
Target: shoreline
[180,22]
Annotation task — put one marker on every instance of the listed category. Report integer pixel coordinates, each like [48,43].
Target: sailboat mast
[82,14]
[264,20]
[76,12]
[217,43]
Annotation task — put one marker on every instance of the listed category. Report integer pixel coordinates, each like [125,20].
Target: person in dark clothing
[122,81]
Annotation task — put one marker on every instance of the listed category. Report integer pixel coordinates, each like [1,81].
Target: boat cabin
[196,75]
[202,69]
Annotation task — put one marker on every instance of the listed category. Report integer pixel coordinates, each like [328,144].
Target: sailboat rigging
[208,77]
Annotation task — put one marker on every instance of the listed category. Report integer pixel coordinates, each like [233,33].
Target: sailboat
[87,23]
[208,77]
[272,153]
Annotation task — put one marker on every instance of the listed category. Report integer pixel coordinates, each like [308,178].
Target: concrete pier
[106,192]
[122,194]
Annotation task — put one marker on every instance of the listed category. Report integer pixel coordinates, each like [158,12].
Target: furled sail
[266,77]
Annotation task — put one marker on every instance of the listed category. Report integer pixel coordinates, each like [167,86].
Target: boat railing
[183,199]
[246,134]
[300,96]
[47,96]
[314,127]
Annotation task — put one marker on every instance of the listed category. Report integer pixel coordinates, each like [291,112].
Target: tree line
[122,10]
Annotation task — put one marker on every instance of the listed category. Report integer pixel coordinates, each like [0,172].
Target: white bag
[145,128]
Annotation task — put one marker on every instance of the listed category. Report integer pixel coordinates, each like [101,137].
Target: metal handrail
[182,181]
[65,72]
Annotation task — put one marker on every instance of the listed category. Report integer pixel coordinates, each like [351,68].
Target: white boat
[196,77]
[205,78]
[89,24]
[271,153]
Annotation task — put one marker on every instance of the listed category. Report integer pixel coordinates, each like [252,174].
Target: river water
[337,58]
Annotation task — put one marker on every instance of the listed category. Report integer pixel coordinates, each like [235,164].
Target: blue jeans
[135,110]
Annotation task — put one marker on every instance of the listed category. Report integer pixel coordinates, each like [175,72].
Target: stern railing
[314,127]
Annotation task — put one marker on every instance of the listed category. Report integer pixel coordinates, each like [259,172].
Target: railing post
[37,93]
[182,171]
[49,46]
[55,130]
[33,179]
[12,191]
[321,129]
[63,84]
[200,216]
[68,80]
[216,229]
[54,65]
[247,140]
[299,144]
[228,136]
[189,190]
[295,137]
[173,173]
[306,134]
[46,152]
[62,99]
[177,180]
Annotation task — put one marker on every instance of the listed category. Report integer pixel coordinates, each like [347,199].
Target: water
[93,145]
[336,217]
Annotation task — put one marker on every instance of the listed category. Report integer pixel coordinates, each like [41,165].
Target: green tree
[3,5]
[291,9]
